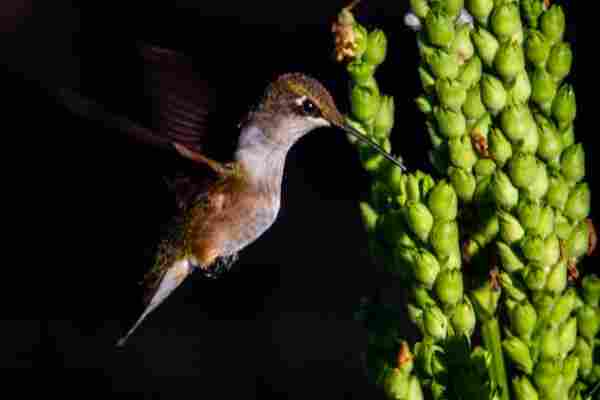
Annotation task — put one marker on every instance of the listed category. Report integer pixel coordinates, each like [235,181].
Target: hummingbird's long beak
[354,132]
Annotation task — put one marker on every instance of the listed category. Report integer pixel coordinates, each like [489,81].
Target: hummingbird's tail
[169,281]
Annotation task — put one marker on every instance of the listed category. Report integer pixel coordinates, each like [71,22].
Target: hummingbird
[222,207]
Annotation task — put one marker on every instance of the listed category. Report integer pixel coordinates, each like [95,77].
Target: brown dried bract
[404,355]
[547,3]
[495,279]
[345,40]
[592,237]
[572,271]
[480,143]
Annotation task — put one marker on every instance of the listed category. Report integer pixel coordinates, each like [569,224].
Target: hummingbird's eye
[310,109]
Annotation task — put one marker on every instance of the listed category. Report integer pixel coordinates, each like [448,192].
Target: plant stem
[490,331]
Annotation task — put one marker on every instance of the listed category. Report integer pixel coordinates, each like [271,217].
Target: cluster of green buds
[500,118]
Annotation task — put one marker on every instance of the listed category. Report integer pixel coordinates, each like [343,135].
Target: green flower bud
[509,60]
[510,261]
[505,194]
[563,226]
[530,141]
[532,9]
[518,354]
[510,229]
[499,147]
[485,299]
[529,214]
[414,389]
[442,202]
[485,44]
[439,28]
[480,9]
[395,385]
[564,107]
[506,20]
[470,73]
[420,8]
[360,71]
[522,169]
[588,318]
[364,102]
[451,124]
[413,190]
[513,290]
[453,7]
[567,335]
[572,163]
[422,297]
[544,306]
[548,378]
[493,93]
[452,94]
[577,243]
[551,252]
[384,119]
[435,323]
[579,202]
[520,89]
[535,279]
[584,353]
[557,278]
[419,219]
[560,60]
[523,319]
[425,268]
[537,48]
[464,183]
[515,120]
[426,183]
[591,289]
[473,107]
[552,23]
[444,237]
[369,216]
[550,145]
[424,105]
[371,159]
[461,152]
[563,308]
[533,248]
[558,193]
[543,86]
[376,47]
[449,287]
[462,45]
[453,260]
[549,344]
[539,187]
[523,389]
[463,318]
[427,81]
[483,190]
[484,167]
[570,369]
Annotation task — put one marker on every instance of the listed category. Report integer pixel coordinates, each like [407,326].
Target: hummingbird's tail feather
[171,279]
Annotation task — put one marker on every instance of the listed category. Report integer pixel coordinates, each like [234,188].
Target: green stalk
[490,330]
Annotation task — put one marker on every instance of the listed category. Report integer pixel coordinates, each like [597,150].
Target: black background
[92,203]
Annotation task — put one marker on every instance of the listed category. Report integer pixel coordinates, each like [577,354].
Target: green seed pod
[510,229]
[584,353]
[591,289]
[506,20]
[579,202]
[485,44]
[537,48]
[452,94]
[480,9]
[451,124]
[523,389]
[522,169]
[533,248]
[473,107]
[519,90]
[463,319]
[588,318]
[552,23]
[550,145]
[435,323]
[484,167]
[419,219]
[470,73]
[572,163]
[535,278]
[558,193]
[420,8]
[518,354]
[449,287]
[539,186]
[376,47]
[550,344]
[557,278]
[560,60]
[426,268]
[563,308]
[510,261]
[515,120]
[439,28]
[564,107]
[499,147]
[443,65]
[427,81]
[461,153]
[384,119]
[444,238]
[485,300]
[570,369]
[462,45]
[505,194]
[509,60]
[493,93]
[442,202]
[464,183]
[364,102]
[577,243]
[551,252]
[395,385]
[543,87]
[360,71]
[523,319]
